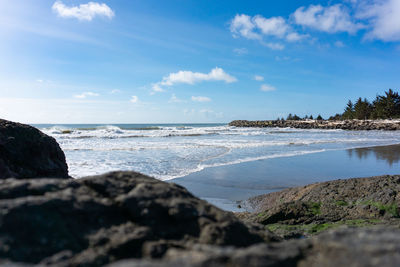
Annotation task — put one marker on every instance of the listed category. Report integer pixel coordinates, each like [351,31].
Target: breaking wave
[170,151]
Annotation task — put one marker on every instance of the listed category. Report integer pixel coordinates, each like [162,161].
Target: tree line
[297,118]
[386,106]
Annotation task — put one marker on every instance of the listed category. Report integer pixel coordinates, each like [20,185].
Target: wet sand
[226,186]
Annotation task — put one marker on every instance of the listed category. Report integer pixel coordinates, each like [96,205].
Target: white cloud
[203,113]
[267,88]
[201,99]
[86,94]
[156,88]
[84,11]
[379,19]
[284,58]
[384,19]
[189,112]
[339,44]
[274,46]
[39,81]
[189,77]
[275,26]
[134,99]
[295,37]
[240,51]
[174,99]
[209,113]
[258,78]
[258,26]
[115,91]
[329,19]
[243,25]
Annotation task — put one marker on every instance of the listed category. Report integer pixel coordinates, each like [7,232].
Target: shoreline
[127,218]
[354,125]
[232,185]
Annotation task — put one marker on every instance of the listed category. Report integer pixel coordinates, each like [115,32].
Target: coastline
[125,218]
[230,186]
[355,125]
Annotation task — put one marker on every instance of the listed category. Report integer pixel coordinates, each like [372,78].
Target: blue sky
[74,61]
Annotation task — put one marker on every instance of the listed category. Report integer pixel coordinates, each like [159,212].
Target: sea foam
[171,151]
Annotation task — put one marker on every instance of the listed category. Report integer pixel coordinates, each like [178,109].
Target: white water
[170,151]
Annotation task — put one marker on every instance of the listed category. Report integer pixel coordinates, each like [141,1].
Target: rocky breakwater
[389,125]
[26,152]
[308,210]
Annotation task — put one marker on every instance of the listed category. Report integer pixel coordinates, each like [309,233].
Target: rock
[356,125]
[26,152]
[309,209]
[129,219]
[342,247]
[97,220]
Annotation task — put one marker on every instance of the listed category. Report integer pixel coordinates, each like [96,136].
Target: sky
[186,61]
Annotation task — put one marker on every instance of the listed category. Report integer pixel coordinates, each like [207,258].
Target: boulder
[97,220]
[306,210]
[342,247]
[26,152]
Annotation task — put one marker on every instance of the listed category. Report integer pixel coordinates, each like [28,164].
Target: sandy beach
[228,186]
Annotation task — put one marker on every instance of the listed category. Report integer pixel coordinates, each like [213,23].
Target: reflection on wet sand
[391,154]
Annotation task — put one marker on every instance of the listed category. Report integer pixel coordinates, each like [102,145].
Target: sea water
[168,151]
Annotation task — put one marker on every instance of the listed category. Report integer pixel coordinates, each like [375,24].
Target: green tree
[362,109]
[386,106]
[319,118]
[348,113]
[337,117]
[296,118]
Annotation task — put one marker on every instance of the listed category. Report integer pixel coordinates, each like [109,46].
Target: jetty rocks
[356,125]
[26,152]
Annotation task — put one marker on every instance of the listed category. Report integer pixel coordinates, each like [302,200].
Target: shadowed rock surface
[312,208]
[26,152]
[129,219]
[101,219]
[358,125]
[342,247]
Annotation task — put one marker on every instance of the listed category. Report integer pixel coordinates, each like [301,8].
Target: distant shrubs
[293,117]
[297,118]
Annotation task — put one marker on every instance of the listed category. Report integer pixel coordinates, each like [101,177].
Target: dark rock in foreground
[357,125]
[26,152]
[310,209]
[129,219]
[101,219]
[342,247]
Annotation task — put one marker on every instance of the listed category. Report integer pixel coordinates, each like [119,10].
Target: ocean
[168,151]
